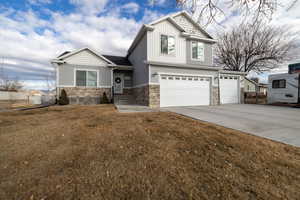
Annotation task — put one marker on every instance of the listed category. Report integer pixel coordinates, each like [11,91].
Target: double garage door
[184,90]
[195,90]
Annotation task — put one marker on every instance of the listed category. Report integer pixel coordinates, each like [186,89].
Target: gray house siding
[67,74]
[138,58]
[155,70]
[207,54]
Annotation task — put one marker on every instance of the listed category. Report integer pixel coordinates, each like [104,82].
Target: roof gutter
[176,65]
[195,37]
[233,72]
[57,61]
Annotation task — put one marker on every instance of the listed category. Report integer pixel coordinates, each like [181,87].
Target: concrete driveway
[277,123]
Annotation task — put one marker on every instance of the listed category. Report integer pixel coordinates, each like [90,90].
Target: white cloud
[90,7]
[38,2]
[157,2]
[150,16]
[131,7]
[28,42]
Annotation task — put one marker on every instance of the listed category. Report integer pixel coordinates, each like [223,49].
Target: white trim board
[83,49]
[87,70]
[145,84]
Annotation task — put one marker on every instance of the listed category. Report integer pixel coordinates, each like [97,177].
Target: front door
[118,84]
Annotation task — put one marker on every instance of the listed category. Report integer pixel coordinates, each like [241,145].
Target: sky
[32,32]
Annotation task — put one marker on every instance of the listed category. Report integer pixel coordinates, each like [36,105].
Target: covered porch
[122,86]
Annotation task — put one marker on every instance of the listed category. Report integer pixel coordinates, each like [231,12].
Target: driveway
[277,123]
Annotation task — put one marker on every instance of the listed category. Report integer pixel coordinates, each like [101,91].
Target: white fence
[23,96]
[10,96]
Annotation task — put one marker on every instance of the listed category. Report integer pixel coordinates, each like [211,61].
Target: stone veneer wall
[81,95]
[141,95]
[127,91]
[215,96]
[242,96]
[154,96]
[148,95]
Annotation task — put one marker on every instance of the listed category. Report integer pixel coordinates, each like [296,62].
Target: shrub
[63,99]
[104,99]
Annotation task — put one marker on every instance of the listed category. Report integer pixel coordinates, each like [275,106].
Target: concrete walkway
[277,123]
[133,108]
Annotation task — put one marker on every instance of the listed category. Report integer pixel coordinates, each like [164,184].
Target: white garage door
[229,89]
[184,91]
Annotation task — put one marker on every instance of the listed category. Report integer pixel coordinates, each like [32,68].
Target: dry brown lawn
[94,152]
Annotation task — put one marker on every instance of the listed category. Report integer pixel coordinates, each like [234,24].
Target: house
[263,88]
[252,85]
[169,63]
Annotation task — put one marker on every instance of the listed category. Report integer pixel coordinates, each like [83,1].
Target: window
[198,51]
[127,81]
[167,44]
[279,83]
[86,78]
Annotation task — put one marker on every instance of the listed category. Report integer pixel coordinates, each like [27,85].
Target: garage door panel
[229,90]
[184,91]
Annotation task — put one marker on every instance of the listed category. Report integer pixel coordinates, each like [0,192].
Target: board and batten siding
[138,58]
[207,54]
[153,48]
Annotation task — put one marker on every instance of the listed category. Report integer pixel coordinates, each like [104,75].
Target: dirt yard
[94,152]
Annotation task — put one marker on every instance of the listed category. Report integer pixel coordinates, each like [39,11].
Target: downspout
[219,94]
[112,85]
[56,82]
[298,88]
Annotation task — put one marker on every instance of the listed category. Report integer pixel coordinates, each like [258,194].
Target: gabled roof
[252,81]
[66,55]
[188,16]
[112,60]
[170,18]
[118,60]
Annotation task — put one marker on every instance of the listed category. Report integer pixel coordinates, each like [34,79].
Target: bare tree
[208,10]
[254,47]
[11,84]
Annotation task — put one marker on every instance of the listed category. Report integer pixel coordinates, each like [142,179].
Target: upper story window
[167,44]
[86,78]
[279,83]
[197,51]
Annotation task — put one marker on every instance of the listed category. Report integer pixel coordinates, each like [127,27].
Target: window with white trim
[86,78]
[167,44]
[197,51]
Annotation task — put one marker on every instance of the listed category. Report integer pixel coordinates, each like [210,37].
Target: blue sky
[34,31]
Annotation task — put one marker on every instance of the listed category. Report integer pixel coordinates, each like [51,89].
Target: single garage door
[229,89]
[184,90]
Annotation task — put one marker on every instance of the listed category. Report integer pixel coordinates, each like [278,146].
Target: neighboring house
[254,86]
[169,63]
[250,85]
[263,88]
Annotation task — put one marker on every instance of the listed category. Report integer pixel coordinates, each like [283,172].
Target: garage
[178,90]
[229,89]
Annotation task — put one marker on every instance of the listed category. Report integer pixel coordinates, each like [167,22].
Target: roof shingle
[118,60]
